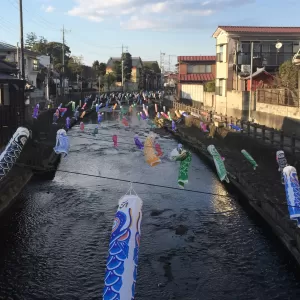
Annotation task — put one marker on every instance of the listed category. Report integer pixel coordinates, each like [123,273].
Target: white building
[32,61]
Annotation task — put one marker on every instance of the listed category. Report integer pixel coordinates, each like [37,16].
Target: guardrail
[267,135]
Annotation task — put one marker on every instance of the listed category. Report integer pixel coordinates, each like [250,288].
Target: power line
[167,187]
[155,185]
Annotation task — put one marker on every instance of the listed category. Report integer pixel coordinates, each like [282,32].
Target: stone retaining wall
[261,189]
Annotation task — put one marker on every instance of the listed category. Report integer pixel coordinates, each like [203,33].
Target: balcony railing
[264,58]
[219,57]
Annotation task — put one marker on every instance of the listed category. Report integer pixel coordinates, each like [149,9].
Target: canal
[54,240]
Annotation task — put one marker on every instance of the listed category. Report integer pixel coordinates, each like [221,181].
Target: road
[55,238]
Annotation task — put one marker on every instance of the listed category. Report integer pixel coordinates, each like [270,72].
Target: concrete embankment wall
[37,156]
[262,189]
[236,104]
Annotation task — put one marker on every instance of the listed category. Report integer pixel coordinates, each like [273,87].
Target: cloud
[153,14]
[48,9]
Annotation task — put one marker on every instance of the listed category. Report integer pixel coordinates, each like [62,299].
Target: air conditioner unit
[245,68]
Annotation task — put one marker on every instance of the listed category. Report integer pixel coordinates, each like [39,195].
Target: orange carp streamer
[151,158]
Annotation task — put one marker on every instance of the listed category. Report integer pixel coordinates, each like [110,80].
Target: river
[54,239]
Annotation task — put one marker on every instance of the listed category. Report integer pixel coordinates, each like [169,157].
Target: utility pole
[22,40]
[169,63]
[18,61]
[162,68]
[63,58]
[251,71]
[99,85]
[47,80]
[123,65]
[122,75]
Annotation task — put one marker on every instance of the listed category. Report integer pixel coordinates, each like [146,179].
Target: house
[32,65]
[12,101]
[151,75]
[193,73]
[170,79]
[260,79]
[136,73]
[271,47]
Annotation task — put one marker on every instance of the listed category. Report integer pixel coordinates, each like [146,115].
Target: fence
[277,97]
[265,134]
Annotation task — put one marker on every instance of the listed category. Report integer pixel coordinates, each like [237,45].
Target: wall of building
[134,74]
[235,104]
[182,68]
[44,60]
[209,100]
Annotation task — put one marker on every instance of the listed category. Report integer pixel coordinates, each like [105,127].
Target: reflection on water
[54,241]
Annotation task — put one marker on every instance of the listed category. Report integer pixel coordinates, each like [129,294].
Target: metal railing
[264,58]
[267,135]
[282,97]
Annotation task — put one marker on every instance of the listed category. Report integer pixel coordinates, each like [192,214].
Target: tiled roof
[7,47]
[197,58]
[260,29]
[135,61]
[197,77]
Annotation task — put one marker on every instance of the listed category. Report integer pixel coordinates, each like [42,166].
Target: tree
[152,66]
[210,86]
[75,66]
[99,68]
[127,65]
[95,66]
[109,79]
[31,39]
[288,74]
[102,69]
[117,70]
[53,49]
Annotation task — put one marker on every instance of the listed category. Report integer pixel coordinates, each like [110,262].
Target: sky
[97,29]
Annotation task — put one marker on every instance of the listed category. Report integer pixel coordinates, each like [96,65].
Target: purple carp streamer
[138,143]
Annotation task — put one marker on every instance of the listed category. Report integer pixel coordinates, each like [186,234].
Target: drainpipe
[251,72]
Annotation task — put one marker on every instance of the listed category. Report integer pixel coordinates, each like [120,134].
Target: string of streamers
[155,185]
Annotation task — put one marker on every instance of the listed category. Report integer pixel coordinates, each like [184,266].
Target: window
[35,65]
[220,53]
[220,87]
[198,69]
[6,96]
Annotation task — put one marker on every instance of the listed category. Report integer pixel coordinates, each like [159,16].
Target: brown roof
[258,29]
[197,58]
[197,77]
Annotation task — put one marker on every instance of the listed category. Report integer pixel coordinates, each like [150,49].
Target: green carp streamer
[183,176]
[250,159]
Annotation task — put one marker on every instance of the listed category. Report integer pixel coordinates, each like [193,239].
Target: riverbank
[37,160]
[262,188]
